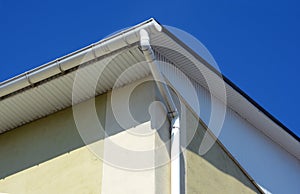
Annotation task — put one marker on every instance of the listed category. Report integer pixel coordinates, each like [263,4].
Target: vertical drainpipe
[175,156]
[171,108]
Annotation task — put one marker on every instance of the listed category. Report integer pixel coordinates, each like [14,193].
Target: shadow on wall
[216,160]
[41,140]
[57,134]
[52,136]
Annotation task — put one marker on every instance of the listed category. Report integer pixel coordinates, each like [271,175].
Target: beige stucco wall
[49,156]
[78,171]
[214,172]
[133,169]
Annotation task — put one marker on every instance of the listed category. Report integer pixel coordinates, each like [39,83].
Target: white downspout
[175,156]
[171,108]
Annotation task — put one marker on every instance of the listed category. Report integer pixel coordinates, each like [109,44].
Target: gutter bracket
[59,66]
[28,79]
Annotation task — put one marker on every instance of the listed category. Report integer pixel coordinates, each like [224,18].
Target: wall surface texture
[215,171]
[49,155]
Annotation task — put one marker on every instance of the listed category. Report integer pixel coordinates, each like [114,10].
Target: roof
[48,88]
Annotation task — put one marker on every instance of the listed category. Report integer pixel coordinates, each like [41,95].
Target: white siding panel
[269,164]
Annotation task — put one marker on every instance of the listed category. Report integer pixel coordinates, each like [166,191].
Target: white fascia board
[99,49]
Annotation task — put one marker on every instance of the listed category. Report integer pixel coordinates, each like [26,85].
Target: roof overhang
[48,88]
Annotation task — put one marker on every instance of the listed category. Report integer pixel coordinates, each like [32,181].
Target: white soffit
[236,99]
[56,94]
[53,94]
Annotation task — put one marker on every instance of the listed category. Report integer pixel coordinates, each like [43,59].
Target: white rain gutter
[99,49]
[171,108]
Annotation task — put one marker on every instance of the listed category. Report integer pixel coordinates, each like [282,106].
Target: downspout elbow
[157,75]
[145,46]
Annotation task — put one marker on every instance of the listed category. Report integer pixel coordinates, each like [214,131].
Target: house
[139,112]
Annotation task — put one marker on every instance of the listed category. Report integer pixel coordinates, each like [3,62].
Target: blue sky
[255,43]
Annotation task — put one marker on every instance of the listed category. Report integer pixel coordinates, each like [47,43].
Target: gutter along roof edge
[107,45]
[98,49]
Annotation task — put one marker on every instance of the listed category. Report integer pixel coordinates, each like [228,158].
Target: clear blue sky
[255,43]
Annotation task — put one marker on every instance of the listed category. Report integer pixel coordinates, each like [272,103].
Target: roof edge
[230,83]
[119,40]
[107,45]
